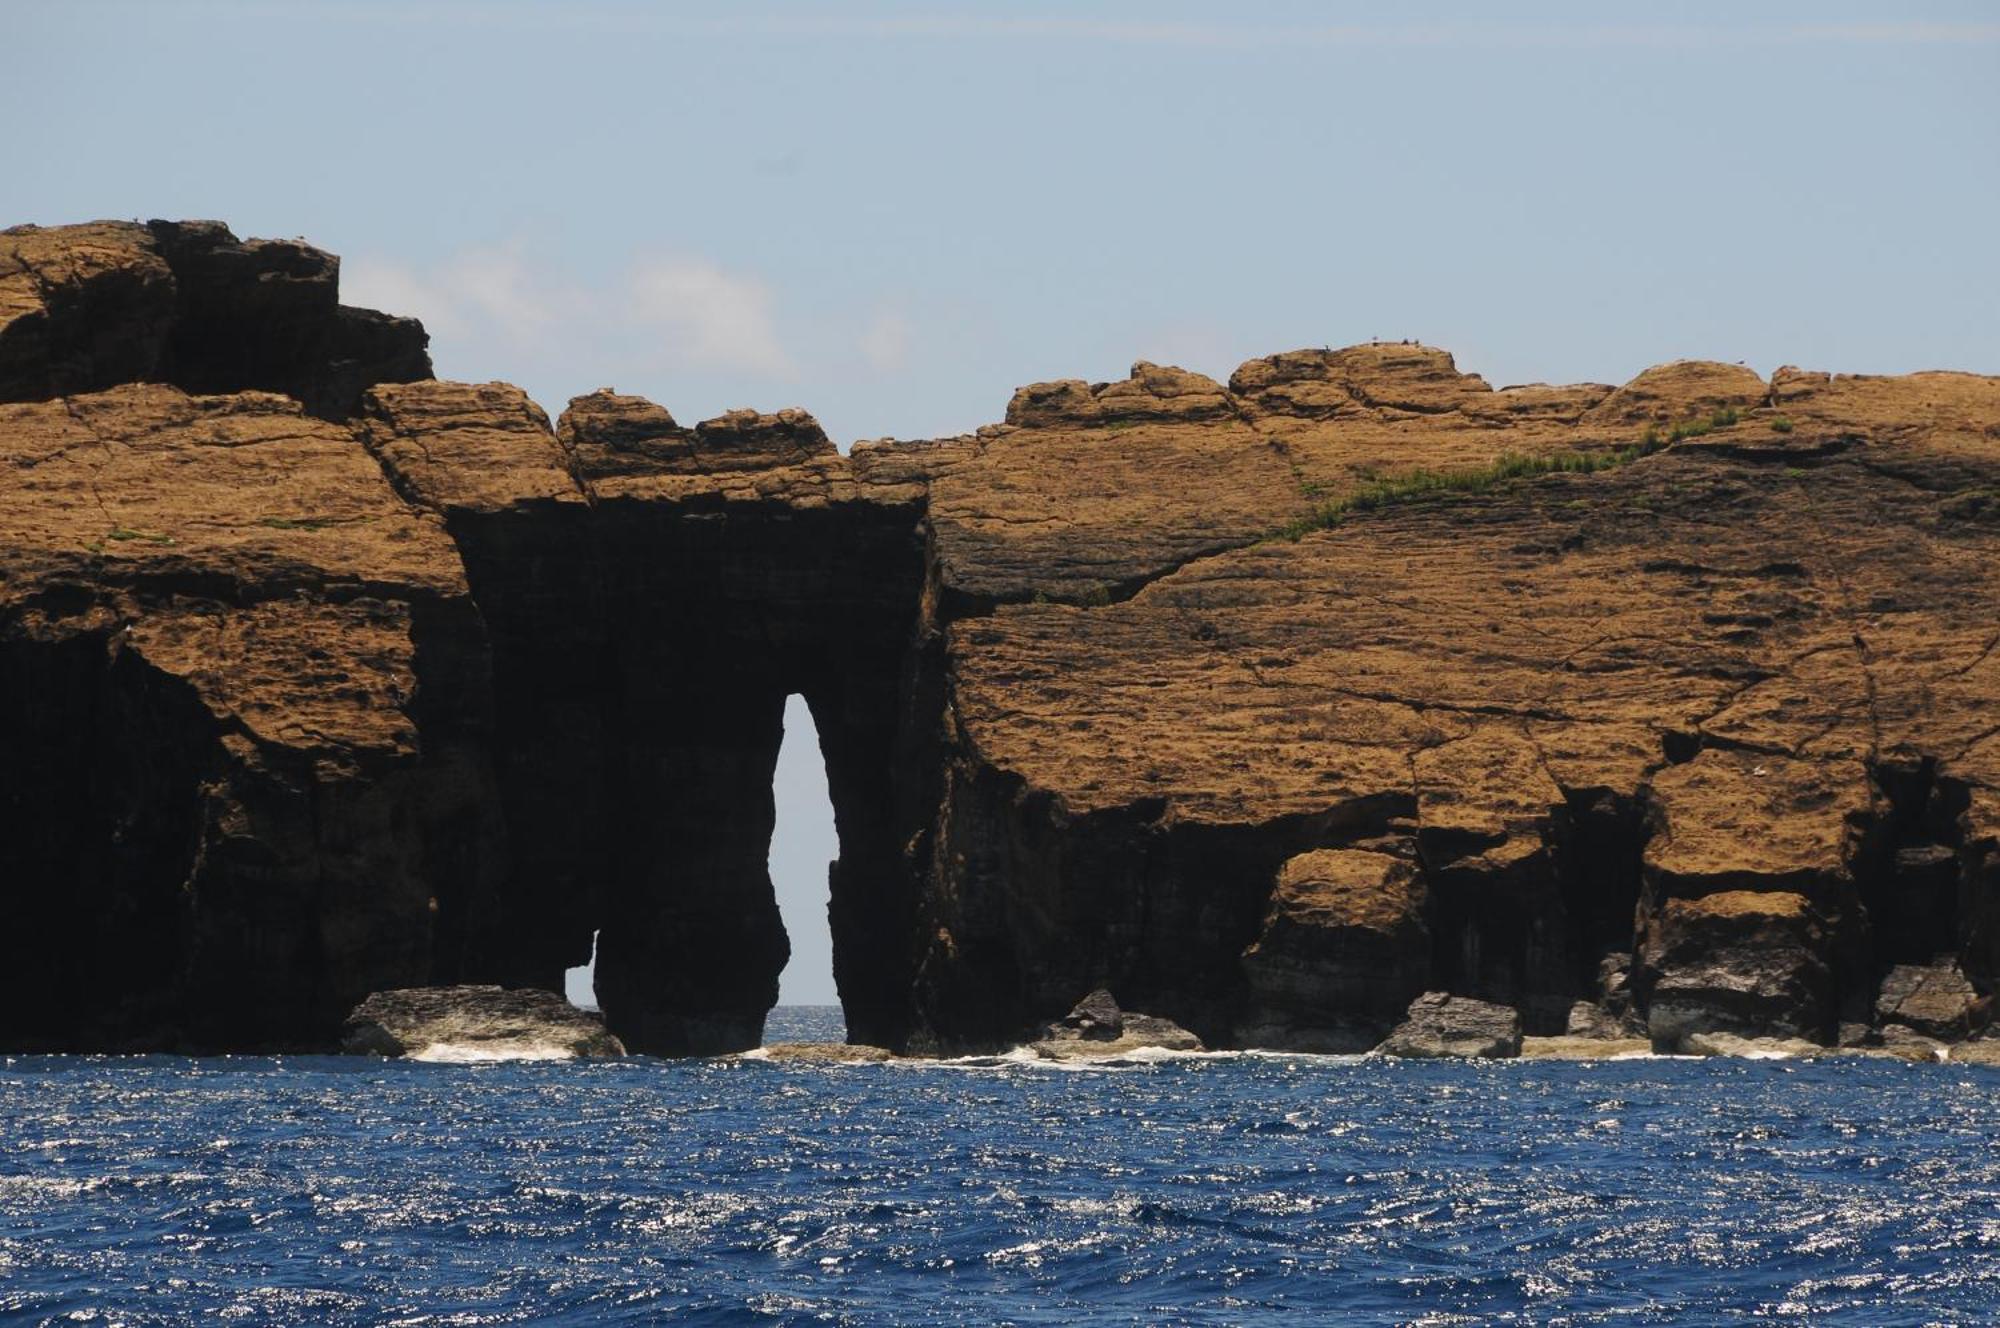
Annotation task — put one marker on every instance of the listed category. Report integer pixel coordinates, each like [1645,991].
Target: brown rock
[1585,1048]
[87,307]
[246,727]
[1086,682]
[1343,951]
[81,308]
[1741,962]
[1713,1043]
[1683,390]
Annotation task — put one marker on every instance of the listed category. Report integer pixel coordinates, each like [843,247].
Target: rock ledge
[475,1023]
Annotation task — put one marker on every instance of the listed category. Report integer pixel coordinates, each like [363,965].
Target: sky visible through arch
[892,214]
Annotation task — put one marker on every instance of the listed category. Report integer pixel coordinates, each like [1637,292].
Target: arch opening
[580,983]
[804,845]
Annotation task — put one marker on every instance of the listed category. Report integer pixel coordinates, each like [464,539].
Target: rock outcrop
[244,707]
[1934,1001]
[1440,1025]
[1096,1028]
[1269,705]
[475,1023]
[185,302]
[1343,951]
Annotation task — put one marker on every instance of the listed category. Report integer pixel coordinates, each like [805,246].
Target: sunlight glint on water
[1228,1189]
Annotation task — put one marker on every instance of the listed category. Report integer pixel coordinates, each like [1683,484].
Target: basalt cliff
[1267,705]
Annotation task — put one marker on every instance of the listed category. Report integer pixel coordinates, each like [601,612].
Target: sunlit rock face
[1266,706]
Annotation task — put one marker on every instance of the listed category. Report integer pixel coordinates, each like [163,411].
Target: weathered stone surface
[1743,962]
[474,1023]
[1095,1018]
[823,1053]
[1590,1020]
[1440,1024]
[1569,1047]
[1698,667]
[654,593]
[81,308]
[1934,1000]
[243,697]
[1343,952]
[1981,1051]
[1714,1043]
[1096,1027]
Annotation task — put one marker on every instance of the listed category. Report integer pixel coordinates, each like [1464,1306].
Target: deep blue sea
[1225,1189]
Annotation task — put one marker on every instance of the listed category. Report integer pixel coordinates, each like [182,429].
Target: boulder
[1935,1000]
[1590,1020]
[1096,1027]
[1095,1018]
[1910,1045]
[475,1023]
[1440,1024]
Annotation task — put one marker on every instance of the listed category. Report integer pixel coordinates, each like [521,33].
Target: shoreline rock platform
[475,1023]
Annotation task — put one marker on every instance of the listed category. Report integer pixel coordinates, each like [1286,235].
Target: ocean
[1222,1189]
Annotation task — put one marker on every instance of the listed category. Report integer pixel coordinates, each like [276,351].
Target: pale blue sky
[893,214]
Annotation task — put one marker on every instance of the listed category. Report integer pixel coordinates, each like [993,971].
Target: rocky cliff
[1265,706]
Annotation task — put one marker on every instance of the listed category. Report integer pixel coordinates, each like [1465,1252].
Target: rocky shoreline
[1346,695]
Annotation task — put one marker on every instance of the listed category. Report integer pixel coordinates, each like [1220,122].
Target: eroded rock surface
[1932,1000]
[1096,1027]
[1268,704]
[244,704]
[1439,1024]
[475,1023]
[1344,950]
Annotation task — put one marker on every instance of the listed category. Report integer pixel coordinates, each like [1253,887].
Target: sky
[894,214]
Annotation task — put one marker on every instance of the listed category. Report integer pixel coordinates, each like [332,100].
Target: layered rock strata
[1266,706]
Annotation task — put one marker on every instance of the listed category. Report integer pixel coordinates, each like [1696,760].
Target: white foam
[498,1049]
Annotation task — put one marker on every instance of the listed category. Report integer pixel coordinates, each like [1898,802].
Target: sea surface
[1239,1189]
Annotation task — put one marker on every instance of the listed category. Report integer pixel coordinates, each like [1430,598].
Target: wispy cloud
[662,318]
[707,318]
[885,341]
[666,313]
[481,293]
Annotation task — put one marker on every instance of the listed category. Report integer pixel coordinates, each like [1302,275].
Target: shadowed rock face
[653,595]
[310,691]
[244,704]
[187,303]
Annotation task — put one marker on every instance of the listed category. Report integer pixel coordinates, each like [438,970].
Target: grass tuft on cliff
[1417,485]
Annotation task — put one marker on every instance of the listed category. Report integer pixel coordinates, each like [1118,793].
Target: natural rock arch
[1694,676]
